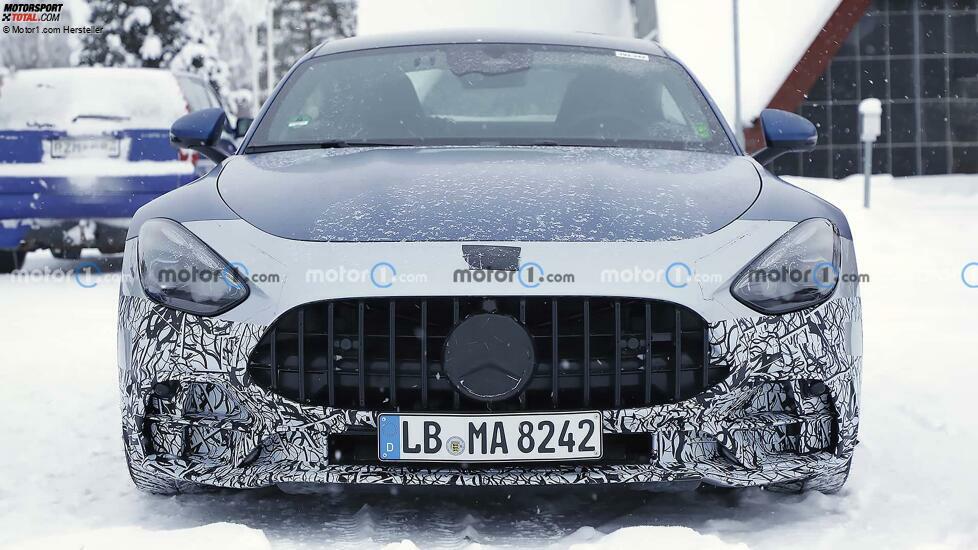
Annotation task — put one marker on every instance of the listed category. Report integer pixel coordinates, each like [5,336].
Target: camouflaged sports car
[489,258]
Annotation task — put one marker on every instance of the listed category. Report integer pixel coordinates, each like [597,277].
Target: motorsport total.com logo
[31,13]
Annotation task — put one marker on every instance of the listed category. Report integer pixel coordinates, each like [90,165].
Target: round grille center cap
[489,357]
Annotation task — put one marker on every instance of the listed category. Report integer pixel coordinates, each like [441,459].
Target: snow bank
[649,537]
[215,535]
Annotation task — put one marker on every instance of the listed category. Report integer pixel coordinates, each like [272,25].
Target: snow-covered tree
[238,47]
[155,33]
[39,51]
[301,25]
[34,51]
[200,54]
[136,33]
[227,46]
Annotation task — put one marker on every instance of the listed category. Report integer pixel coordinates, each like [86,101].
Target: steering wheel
[605,125]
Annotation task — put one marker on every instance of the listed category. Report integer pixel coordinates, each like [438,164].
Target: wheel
[11,260]
[149,482]
[66,253]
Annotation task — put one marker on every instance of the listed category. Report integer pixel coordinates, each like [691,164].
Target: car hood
[488,193]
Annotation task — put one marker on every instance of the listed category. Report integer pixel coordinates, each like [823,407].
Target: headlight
[178,270]
[800,270]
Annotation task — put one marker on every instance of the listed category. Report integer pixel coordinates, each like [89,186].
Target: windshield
[491,94]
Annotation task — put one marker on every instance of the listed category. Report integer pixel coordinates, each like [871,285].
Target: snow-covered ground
[63,482]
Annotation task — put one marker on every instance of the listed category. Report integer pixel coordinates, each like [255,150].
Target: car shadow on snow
[455,516]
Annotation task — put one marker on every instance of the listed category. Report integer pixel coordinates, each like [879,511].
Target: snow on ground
[63,482]
[215,535]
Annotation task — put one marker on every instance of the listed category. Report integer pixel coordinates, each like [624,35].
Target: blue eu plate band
[390,437]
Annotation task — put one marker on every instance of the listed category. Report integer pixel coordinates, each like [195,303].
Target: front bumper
[29,201]
[787,412]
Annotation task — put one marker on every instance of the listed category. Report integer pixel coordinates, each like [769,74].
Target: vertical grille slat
[424,354]
[361,366]
[677,335]
[706,357]
[273,358]
[301,330]
[648,352]
[456,397]
[587,353]
[386,354]
[617,365]
[391,347]
[522,396]
[330,356]
[554,355]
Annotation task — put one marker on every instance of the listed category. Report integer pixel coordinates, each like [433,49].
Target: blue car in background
[81,149]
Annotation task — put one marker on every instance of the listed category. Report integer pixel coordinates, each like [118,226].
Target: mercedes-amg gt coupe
[489,258]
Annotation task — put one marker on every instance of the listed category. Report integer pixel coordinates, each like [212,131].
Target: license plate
[85,147]
[501,437]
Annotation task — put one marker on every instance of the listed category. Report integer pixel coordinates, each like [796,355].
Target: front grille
[386,354]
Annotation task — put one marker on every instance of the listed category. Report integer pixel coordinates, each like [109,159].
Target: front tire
[11,260]
[66,253]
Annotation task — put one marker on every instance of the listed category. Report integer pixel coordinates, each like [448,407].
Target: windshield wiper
[555,143]
[329,144]
[101,117]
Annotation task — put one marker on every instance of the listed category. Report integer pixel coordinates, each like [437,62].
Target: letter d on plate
[390,437]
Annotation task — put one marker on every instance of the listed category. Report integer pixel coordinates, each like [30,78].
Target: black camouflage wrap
[788,413]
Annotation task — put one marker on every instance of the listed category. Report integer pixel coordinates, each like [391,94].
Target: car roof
[136,72]
[138,97]
[504,36]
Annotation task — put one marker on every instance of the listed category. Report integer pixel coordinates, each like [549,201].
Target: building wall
[920,57]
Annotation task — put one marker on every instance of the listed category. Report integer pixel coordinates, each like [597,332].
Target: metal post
[870,125]
[738,125]
[270,46]
[255,55]
[867,170]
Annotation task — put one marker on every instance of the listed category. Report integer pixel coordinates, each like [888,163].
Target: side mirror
[785,132]
[241,126]
[200,131]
